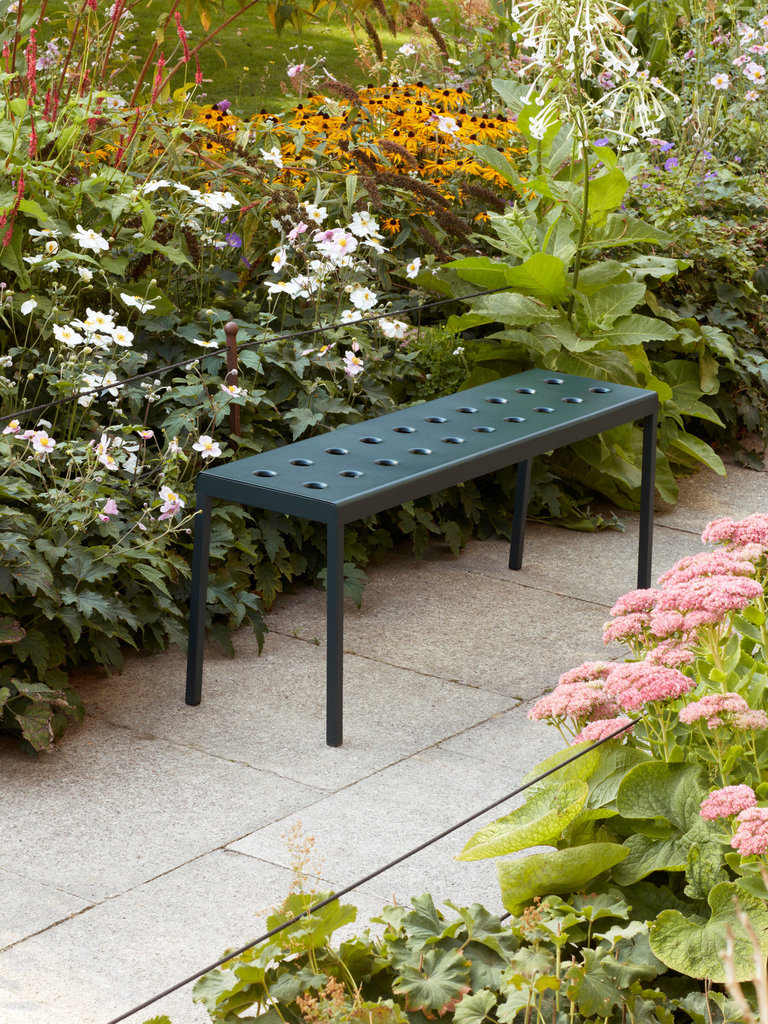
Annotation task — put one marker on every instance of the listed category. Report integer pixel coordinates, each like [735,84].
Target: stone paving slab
[124,950]
[707,496]
[381,817]
[29,906]
[112,808]
[597,567]
[268,711]
[459,625]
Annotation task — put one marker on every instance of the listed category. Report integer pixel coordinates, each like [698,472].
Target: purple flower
[666,146]
[671,163]
[603,142]
[223,106]
[233,240]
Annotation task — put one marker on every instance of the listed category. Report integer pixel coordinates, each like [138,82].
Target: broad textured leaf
[636,329]
[615,763]
[699,450]
[35,724]
[622,229]
[11,631]
[557,871]
[443,977]
[603,365]
[660,268]
[607,304]
[606,192]
[656,789]
[474,1009]
[510,308]
[694,949]
[539,822]
[591,987]
[582,768]
[599,274]
[646,854]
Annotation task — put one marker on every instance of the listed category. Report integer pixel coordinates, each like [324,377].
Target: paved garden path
[154,836]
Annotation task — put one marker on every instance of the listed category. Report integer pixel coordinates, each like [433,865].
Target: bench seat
[364,468]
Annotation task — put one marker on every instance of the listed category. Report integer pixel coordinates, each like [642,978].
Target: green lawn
[248,64]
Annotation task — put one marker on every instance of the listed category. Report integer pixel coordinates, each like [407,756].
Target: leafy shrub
[640,812]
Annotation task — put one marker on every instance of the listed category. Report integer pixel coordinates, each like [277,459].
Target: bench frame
[276,480]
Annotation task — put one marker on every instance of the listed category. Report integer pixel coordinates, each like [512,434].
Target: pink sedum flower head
[704,600]
[672,653]
[626,628]
[752,530]
[707,563]
[724,803]
[635,601]
[602,728]
[208,448]
[635,684]
[589,671]
[712,708]
[751,838]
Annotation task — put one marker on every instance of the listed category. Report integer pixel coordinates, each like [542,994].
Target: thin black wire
[294,335]
[367,878]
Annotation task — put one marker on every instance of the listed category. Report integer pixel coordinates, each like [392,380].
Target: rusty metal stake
[230,330]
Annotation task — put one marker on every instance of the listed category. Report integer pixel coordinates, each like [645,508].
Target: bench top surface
[486,425]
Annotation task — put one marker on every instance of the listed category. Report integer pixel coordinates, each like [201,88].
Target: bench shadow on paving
[154,836]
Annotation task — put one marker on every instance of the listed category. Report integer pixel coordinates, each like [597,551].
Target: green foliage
[579,959]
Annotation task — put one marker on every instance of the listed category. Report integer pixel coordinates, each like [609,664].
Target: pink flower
[710,598]
[601,729]
[625,628]
[145,434]
[707,563]
[752,530]
[295,69]
[671,653]
[300,228]
[723,803]
[587,672]
[110,509]
[635,601]
[751,719]
[172,503]
[637,683]
[580,701]
[352,364]
[752,833]
[712,707]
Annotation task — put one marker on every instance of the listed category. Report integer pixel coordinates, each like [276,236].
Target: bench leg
[522,490]
[334,721]
[647,489]
[202,540]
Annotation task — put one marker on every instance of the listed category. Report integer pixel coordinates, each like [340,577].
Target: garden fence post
[230,330]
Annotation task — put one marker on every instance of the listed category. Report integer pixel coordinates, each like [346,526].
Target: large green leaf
[539,822]
[580,768]
[603,365]
[694,948]
[11,631]
[506,307]
[656,789]
[699,450]
[612,301]
[622,229]
[475,1009]
[541,275]
[606,193]
[646,855]
[556,871]
[441,978]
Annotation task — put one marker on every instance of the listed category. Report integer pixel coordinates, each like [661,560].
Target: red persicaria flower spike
[31,55]
[158,78]
[198,72]
[182,35]
[32,141]
[93,4]
[7,57]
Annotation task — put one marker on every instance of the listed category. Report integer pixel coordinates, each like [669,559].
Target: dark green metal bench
[357,470]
